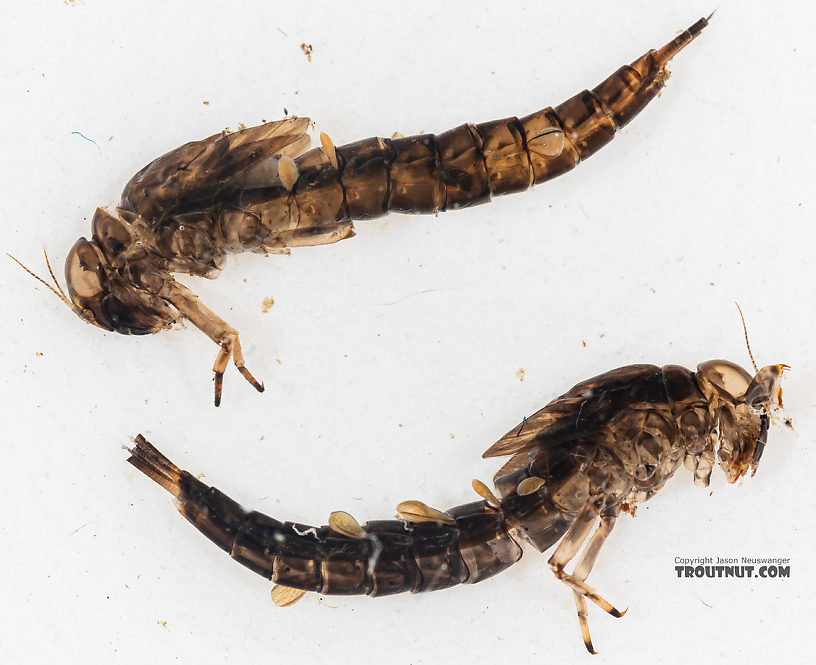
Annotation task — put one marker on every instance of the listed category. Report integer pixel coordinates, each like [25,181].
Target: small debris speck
[520,373]
[789,422]
[583,342]
[267,304]
[163,624]
[206,102]
[307,49]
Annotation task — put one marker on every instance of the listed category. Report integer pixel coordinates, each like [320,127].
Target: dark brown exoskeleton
[258,190]
[607,444]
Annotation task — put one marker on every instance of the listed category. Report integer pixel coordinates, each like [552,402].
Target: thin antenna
[60,294]
[745,329]
[48,263]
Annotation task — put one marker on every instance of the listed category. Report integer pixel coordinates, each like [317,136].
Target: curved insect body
[608,443]
[467,544]
[258,189]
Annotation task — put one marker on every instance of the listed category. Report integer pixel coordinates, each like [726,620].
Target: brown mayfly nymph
[259,189]
[599,449]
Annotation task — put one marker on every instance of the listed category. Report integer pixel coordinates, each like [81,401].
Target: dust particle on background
[267,304]
[307,49]
[206,102]
[520,373]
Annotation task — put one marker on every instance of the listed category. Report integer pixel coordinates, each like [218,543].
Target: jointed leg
[230,346]
[564,553]
[582,569]
[186,302]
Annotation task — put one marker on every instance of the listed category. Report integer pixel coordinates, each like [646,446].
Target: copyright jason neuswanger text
[745,566]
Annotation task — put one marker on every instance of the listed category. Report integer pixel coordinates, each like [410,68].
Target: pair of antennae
[59,293]
[745,329]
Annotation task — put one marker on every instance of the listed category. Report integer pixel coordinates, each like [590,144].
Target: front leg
[188,304]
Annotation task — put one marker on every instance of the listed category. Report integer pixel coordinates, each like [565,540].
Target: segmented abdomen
[392,557]
[429,173]
[461,167]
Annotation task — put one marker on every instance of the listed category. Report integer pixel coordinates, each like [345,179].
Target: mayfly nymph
[259,189]
[599,449]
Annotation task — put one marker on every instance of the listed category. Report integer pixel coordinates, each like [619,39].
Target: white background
[391,360]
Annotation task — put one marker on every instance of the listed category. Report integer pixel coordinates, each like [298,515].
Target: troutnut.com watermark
[743,566]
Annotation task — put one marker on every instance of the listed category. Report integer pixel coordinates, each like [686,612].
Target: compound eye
[84,273]
[726,376]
